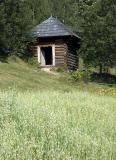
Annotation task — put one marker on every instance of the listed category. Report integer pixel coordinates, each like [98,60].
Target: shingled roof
[51,27]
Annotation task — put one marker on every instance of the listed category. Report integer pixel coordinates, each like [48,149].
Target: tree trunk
[100,68]
[33,14]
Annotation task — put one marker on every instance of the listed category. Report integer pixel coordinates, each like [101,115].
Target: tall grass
[57,126]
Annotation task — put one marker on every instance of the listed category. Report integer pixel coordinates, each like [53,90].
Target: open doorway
[46,56]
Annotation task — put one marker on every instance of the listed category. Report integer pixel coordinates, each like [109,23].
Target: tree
[15,23]
[40,10]
[93,20]
[99,33]
[2,24]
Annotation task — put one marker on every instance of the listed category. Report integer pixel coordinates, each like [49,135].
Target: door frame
[40,54]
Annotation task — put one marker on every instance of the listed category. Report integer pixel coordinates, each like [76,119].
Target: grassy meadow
[47,117]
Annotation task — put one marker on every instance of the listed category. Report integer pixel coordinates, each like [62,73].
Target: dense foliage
[93,20]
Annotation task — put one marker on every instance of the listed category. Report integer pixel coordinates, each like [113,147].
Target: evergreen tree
[16,20]
[2,24]
[99,33]
[94,20]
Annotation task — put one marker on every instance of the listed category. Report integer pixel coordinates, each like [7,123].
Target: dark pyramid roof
[50,28]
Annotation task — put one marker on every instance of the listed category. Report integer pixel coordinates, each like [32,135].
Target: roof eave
[48,36]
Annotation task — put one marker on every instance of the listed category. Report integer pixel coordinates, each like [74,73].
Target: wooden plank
[59,55]
[60,50]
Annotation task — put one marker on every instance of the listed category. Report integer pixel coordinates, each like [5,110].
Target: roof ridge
[52,27]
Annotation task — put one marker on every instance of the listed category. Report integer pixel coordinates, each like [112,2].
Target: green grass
[24,77]
[17,74]
[53,125]
[47,117]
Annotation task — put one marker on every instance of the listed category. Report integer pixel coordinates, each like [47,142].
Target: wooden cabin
[55,45]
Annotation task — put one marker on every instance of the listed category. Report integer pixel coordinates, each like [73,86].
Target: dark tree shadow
[4,59]
[103,78]
[4,53]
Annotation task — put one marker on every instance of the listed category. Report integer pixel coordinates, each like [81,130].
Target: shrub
[33,61]
[81,75]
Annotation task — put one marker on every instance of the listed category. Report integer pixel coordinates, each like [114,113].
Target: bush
[81,75]
[33,61]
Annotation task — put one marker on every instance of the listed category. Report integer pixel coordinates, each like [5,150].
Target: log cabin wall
[72,58]
[60,49]
[60,53]
[33,50]
[65,51]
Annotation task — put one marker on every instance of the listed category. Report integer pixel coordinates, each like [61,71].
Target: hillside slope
[22,76]
[53,120]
